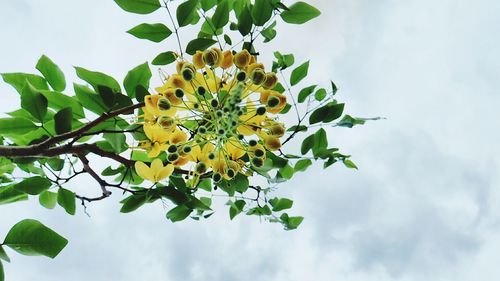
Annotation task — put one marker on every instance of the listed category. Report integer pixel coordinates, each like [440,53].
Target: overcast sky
[425,204]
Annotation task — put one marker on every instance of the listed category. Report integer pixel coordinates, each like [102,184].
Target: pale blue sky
[424,205]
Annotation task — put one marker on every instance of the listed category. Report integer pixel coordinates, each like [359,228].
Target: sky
[424,204]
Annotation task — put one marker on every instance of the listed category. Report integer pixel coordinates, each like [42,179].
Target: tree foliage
[210,130]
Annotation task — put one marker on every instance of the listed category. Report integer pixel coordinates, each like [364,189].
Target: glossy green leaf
[89,99]
[18,80]
[260,211]
[67,200]
[240,183]
[207,4]
[280,204]
[63,120]
[95,79]
[16,126]
[52,73]
[290,222]
[221,14]
[32,238]
[320,94]
[186,12]
[199,44]
[349,164]
[107,95]
[307,144]
[245,21]
[236,208]
[179,213]
[261,12]
[8,194]
[286,172]
[139,75]
[34,102]
[299,13]
[48,199]
[304,93]
[117,141]
[139,6]
[299,73]
[133,203]
[3,255]
[327,113]
[33,185]
[164,58]
[302,165]
[156,32]
[59,101]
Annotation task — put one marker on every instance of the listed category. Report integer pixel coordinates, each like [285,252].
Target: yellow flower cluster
[215,116]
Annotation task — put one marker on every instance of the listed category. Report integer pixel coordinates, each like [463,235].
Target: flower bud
[258,76]
[200,168]
[270,81]
[227,59]
[242,59]
[167,123]
[164,104]
[272,143]
[198,60]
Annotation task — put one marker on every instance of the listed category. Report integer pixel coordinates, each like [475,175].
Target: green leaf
[299,73]
[59,101]
[280,204]
[349,121]
[286,172]
[208,4]
[186,12]
[97,79]
[295,128]
[245,22]
[18,80]
[52,73]
[10,195]
[139,75]
[320,94]
[107,95]
[139,6]
[205,184]
[240,183]
[2,275]
[349,164]
[261,12]
[334,88]
[302,165]
[33,185]
[299,13]
[164,58]
[117,141]
[156,32]
[320,142]
[179,213]
[133,203]
[236,208]
[199,44]
[67,200]
[34,102]
[63,120]
[16,126]
[269,33]
[221,14]
[307,144]
[304,93]
[260,211]
[327,113]
[290,222]
[3,255]
[89,99]
[32,238]
[48,199]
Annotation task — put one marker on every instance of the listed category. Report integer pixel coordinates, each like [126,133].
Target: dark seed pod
[261,110]
[217,177]
[241,76]
[172,148]
[173,157]
[252,143]
[257,162]
[179,93]
[273,101]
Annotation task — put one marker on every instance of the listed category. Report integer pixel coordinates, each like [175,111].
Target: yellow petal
[144,171]
[156,165]
[164,172]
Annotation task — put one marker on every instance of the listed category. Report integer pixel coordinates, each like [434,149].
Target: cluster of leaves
[51,138]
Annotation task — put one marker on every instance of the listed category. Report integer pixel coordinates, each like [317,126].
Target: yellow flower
[234,149]
[227,59]
[198,60]
[155,133]
[178,137]
[272,143]
[199,154]
[242,59]
[156,172]
[274,101]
